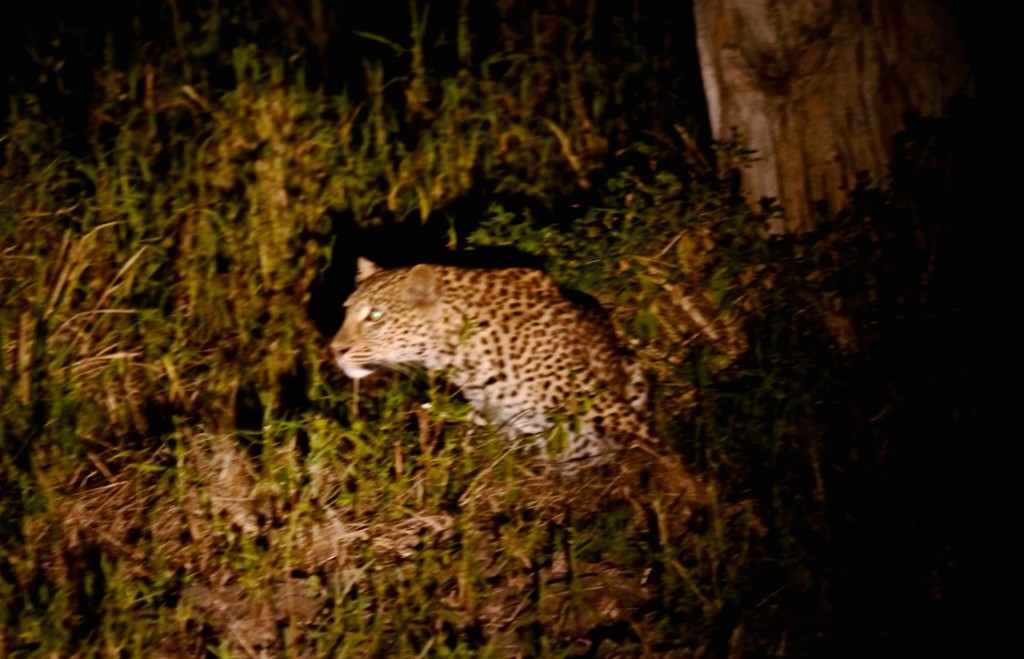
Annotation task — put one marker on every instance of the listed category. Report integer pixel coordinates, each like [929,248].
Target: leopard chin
[355,371]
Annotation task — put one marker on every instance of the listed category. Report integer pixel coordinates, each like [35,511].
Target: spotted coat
[524,355]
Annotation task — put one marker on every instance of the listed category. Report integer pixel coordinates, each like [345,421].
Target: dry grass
[183,473]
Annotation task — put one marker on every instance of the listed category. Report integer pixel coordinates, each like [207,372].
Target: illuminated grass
[183,472]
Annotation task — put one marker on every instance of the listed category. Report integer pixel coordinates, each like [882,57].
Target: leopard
[527,357]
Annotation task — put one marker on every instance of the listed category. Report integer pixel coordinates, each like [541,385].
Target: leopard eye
[375,314]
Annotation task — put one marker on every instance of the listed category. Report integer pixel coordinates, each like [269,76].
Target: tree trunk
[819,88]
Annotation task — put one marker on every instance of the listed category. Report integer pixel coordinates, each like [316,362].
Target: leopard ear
[365,268]
[421,286]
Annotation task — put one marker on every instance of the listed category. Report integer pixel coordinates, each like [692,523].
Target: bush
[183,472]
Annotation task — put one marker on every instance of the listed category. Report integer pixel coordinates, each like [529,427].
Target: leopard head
[392,318]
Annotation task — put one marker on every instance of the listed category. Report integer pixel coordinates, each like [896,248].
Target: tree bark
[819,88]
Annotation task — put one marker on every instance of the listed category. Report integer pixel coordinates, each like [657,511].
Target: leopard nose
[337,350]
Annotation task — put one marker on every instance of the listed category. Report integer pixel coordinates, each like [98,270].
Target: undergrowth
[184,473]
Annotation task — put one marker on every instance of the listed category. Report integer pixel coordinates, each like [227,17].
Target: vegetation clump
[183,472]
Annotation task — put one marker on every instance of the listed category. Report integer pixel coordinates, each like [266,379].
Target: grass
[184,473]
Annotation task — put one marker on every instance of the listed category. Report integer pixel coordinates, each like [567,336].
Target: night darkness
[160,306]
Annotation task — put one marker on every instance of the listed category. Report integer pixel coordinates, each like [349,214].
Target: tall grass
[184,474]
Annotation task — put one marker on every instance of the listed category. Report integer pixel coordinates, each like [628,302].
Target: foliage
[182,472]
